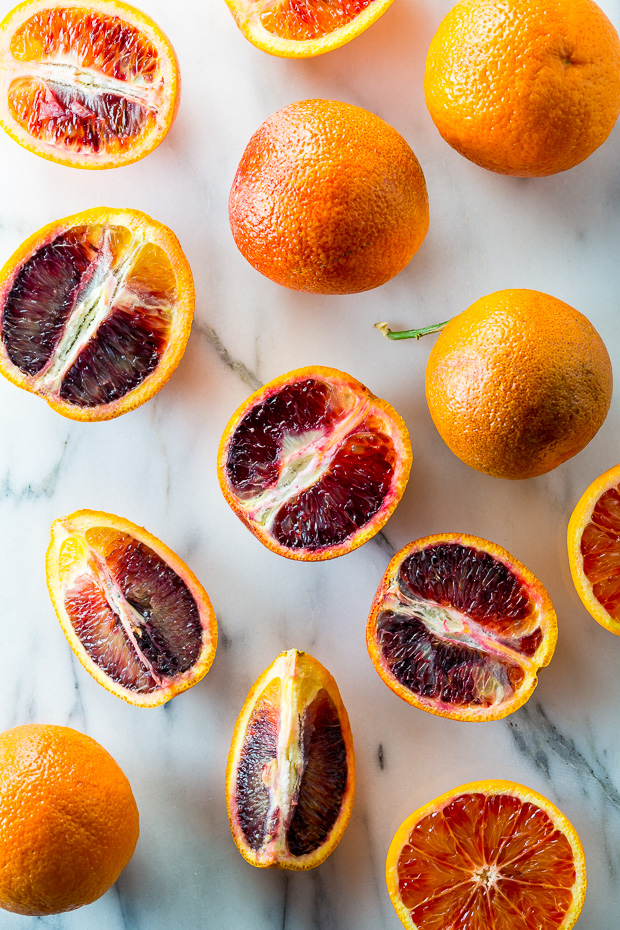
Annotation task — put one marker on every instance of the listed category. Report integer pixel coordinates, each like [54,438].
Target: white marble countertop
[156,466]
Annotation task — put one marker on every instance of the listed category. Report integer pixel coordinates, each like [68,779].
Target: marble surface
[156,466]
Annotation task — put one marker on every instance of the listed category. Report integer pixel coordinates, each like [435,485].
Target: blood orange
[490,854]
[314,464]
[134,614]
[291,772]
[95,312]
[459,628]
[86,83]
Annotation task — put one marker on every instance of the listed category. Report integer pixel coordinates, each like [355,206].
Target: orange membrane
[600,548]
[84,80]
[487,863]
[308,19]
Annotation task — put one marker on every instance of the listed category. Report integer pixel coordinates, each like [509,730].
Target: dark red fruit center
[260,749]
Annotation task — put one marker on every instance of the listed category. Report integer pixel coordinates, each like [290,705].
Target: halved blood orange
[490,855]
[290,779]
[86,83]
[304,28]
[594,549]
[459,628]
[314,464]
[95,312]
[134,614]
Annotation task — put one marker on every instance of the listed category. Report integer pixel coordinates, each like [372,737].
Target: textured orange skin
[145,143]
[490,788]
[68,820]
[518,383]
[328,198]
[155,232]
[80,522]
[301,666]
[524,87]
[538,596]
[580,518]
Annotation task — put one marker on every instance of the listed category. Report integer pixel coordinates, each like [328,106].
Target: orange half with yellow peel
[86,83]
[460,628]
[304,28]
[95,312]
[290,779]
[490,854]
[594,549]
[314,464]
[134,614]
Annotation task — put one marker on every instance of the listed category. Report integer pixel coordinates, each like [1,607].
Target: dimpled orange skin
[518,383]
[524,87]
[328,198]
[68,820]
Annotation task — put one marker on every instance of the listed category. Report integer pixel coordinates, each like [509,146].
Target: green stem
[410,333]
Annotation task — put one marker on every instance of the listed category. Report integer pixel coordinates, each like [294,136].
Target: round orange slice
[314,464]
[459,628]
[134,614]
[95,312]
[490,854]
[291,771]
[594,549]
[86,83]
[304,28]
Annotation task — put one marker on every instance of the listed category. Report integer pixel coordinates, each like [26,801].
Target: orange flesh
[487,863]
[600,548]
[307,19]
[84,81]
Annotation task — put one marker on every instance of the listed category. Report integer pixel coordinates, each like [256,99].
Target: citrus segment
[86,83]
[313,463]
[95,312]
[459,628]
[68,820]
[490,854]
[304,28]
[290,777]
[594,549]
[134,614]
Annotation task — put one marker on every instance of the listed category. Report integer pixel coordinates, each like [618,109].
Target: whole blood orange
[518,383]
[314,464]
[86,83]
[594,549]
[68,820]
[459,628]
[303,28]
[134,614]
[95,312]
[291,771]
[490,854]
[524,87]
[328,198]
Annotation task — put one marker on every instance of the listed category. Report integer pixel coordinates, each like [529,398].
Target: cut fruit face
[291,772]
[594,549]
[134,614]
[490,854]
[95,312]
[304,28]
[314,464]
[86,83]
[459,628]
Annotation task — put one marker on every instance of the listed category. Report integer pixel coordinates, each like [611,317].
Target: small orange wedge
[594,549]
[95,312]
[291,771]
[460,628]
[490,854]
[134,614]
[304,28]
[86,83]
